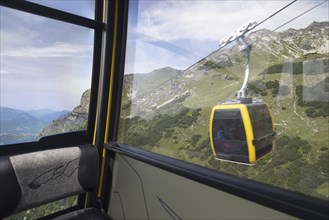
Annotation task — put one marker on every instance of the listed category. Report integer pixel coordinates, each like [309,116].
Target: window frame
[73,138]
[97,25]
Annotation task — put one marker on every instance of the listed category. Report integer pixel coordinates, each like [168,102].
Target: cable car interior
[143,149]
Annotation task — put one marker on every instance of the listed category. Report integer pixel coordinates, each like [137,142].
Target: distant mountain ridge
[8,113]
[39,112]
[24,126]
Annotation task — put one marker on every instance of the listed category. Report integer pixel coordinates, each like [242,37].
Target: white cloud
[4,72]
[44,63]
[58,49]
[212,20]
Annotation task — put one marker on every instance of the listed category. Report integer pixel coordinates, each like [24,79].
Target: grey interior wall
[141,191]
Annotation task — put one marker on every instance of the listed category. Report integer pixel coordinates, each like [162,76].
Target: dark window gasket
[56,14]
[75,137]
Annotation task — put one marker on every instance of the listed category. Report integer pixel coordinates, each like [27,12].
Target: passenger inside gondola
[230,136]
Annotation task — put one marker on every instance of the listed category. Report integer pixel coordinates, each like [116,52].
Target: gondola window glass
[176,72]
[260,121]
[85,8]
[229,136]
[229,125]
[46,70]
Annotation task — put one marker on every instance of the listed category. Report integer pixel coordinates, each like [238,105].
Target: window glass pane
[229,125]
[85,8]
[229,136]
[176,72]
[45,73]
[260,121]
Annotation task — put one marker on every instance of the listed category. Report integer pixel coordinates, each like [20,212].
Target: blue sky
[46,63]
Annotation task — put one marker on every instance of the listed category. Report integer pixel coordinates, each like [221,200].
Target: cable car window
[229,135]
[262,125]
[79,7]
[260,120]
[270,75]
[230,125]
[45,76]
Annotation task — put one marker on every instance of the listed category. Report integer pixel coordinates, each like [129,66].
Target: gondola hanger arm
[245,47]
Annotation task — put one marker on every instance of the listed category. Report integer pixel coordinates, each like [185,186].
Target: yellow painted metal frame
[102,168]
[110,96]
[98,96]
[246,123]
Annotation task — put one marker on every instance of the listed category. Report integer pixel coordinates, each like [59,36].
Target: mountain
[9,113]
[22,121]
[139,87]
[49,117]
[293,43]
[39,112]
[23,126]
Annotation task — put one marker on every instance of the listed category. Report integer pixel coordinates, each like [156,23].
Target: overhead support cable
[277,12]
[299,15]
[280,10]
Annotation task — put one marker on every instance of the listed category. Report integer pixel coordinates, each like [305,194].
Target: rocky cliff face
[73,121]
[294,43]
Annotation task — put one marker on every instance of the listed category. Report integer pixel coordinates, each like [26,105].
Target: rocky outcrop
[73,121]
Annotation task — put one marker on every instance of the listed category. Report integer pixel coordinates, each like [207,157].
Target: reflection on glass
[175,74]
[45,73]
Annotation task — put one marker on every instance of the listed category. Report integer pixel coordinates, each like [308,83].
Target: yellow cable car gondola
[241,130]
